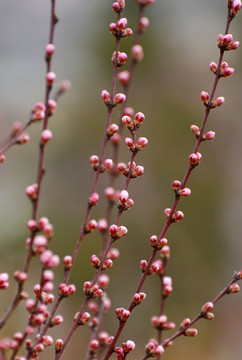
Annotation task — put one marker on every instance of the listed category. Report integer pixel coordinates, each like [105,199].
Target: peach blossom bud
[39,115]
[59,345]
[67,261]
[20,276]
[48,230]
[227,39]
[42,222]
[158,350]
[195,129]
[141,143]
[123,197]
[167,212]
[95,261]
[128,346]
[234,288]
[122,230]
[16,127]
[31,224]
[93,200]
[106,97]
[85,317]
[102,225]
[92,225]
[50,78]
[129,142]
[22,139]
[127,32]
[219,101]
[179,215]
[138,171]
[207,307]
[116,7]
[233,45]
[47,340]
[121,3]
[93,346]
[52,104]
[143,265]
[185,323]
[119,98]
[139,118]
[153,240]
[161,243]
[128,111]
[46,136]
[209,135]
[165,252]
[124,77]
[109,193]
[49,50]
[213,67]
[191,332]
[208,316]
[2,158]
[176,185]
[39,107]
[137,53]
[49,260]
[94,161]
[126,120]
[39,347]
[31,191]
[236,6]
[122,23]
[112,129]
[113,254]
[143,23]
[185,192]
[205,97]
[103,281]
[113,28]
[113,230]
[227,72]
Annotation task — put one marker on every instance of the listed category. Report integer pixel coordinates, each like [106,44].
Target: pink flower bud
[141,143]
[185,192]
[179,215]
[207,307]
[102,225]
[59,345]
[113,28]
[176,185]
[191,332]
[95,261]
[219,101]
[106,97]
[22,139]
[233,289]
[167,212]
[116,7]
[236,6]
[233,45]
[2,158]
[49,50]
[52,104]
[103,281]
[122,23]
[119,99]
[130,144]
[137,53]
[50,78]
[92,225]
[205,97]
[123,197]
[165,252]
[39,115]
[213,67]
[195,130]
[128,346]
[128,111]
[17,125]
[93,200]
[48,230]
[227,39]
[31,225]
[46,136]
[20,276]
[143,23]
[31,191]
[112,129]
[124,77]
[113,230]
[121,231]
[228,71]
[209,135]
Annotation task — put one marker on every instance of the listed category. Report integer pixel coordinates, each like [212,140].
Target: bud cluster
[120,29]
[135,170]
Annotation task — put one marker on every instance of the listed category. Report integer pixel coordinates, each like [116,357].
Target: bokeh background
[206,246]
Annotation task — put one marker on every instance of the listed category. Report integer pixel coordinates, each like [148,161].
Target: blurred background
[206,246]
